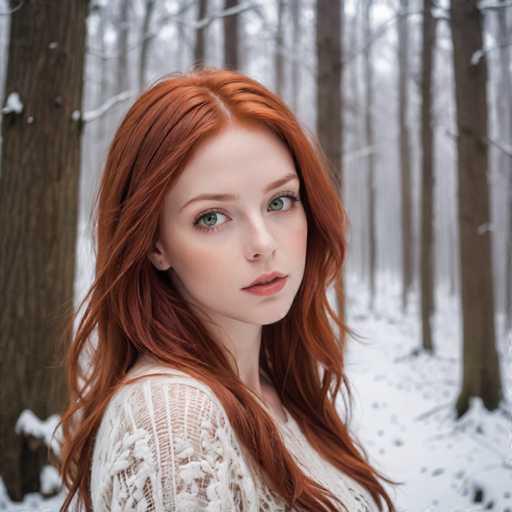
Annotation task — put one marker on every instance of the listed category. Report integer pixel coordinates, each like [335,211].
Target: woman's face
[217,247]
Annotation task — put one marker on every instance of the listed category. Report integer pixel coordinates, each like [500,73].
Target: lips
[266,282]
[266,278]
[272,288]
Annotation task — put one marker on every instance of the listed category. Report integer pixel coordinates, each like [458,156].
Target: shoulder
[167,404]
[169,393]
[168,433]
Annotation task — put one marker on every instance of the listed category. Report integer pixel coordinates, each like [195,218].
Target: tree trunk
[149,8]
[427,251]
[182,36]
[199,48]
[278,55]
[39,193]
[231,37]
[481,374]
[329,100]
[370,143]
[453,260]
[123,81]
[405,153]
[329,76]
[504,160]
[359,189]
[295,9]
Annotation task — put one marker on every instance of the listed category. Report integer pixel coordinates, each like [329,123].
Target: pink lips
[268,289]
[265,278]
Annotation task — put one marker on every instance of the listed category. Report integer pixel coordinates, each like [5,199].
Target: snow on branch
[490,4]
[92,115]
[237,9]
[14,9]
[13,104]
[29,424]
[379,32]
[176,18]
[475,58]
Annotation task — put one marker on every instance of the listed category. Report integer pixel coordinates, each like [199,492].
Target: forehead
[238,159]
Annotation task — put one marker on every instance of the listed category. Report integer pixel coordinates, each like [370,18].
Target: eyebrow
[232,197]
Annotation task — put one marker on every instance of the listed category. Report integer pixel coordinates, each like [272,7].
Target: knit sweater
[166,444]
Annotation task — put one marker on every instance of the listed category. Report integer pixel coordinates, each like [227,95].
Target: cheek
[299,236]
[194,258]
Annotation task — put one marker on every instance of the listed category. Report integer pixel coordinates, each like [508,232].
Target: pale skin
[260,232]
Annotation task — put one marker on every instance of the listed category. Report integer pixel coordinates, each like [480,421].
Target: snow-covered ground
[404,410]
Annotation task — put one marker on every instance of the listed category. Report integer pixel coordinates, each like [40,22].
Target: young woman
[202,390]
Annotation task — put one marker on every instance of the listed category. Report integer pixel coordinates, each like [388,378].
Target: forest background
[411,101]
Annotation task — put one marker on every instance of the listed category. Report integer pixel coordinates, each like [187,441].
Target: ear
[158,257]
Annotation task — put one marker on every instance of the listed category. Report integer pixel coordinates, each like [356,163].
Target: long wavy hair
[135,309]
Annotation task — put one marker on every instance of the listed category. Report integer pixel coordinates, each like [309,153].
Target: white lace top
[165,444]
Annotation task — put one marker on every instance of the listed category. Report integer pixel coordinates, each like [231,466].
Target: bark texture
[481,373]
[39,192]
[405,152]
[231,31]
[427,251]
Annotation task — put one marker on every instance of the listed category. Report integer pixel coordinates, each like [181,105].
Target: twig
[489,5]
[93,115]
[14,9]
[196,25]
[432,411]
[379,32]
[477,56]
[488,140]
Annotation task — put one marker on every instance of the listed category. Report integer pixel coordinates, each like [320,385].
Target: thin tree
[370,143]
[295,9]
[329,99]
[353,77]
[505,160]
[181,37]
[149,9]
[39,191]
[278,55]
[481,369]
[405,152]
[123,81]
[199,48]
[427,242]
[231,29]
[329,78]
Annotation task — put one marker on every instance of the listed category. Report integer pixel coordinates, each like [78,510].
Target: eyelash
[287,193]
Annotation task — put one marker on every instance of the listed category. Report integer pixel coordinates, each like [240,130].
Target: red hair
[135,309]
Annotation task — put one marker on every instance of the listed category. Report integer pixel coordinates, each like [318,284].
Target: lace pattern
[165,444]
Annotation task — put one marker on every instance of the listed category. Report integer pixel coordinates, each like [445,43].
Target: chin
[273,314]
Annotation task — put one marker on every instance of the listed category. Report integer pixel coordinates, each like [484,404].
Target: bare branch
[507,150]
[237,9]
[488,5]
[502,147]
[176,18]
[475,58]
[93,115]
[430,412]
[379,32]
[14,9]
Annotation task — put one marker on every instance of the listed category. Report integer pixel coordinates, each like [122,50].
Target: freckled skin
[259,233]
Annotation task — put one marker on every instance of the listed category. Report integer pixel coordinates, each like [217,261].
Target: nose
[260,241]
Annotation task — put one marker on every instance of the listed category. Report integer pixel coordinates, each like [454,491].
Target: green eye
[209,213]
